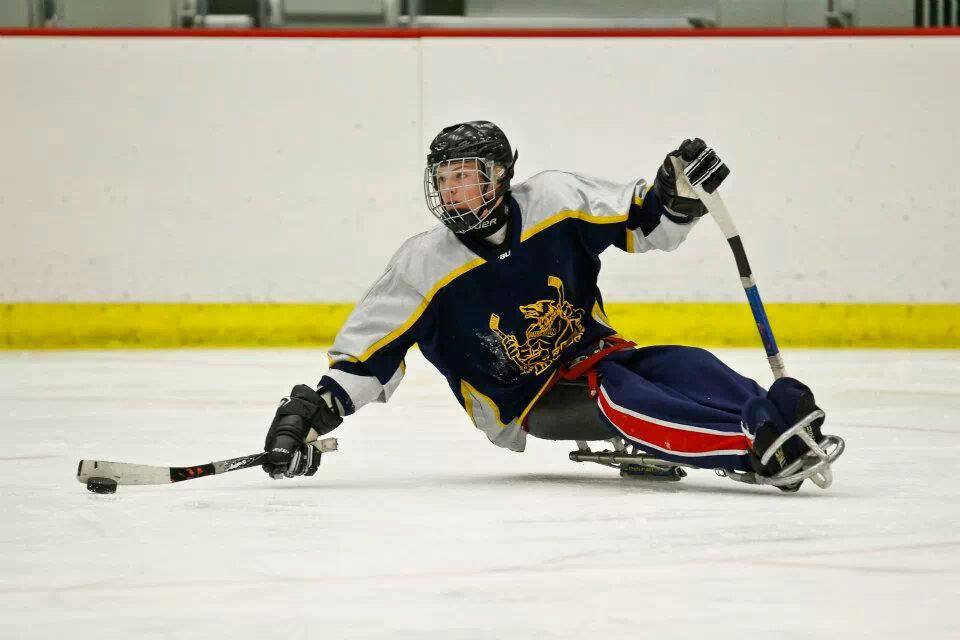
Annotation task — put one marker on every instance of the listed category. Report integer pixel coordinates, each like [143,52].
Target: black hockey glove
[675,194]
[300,419]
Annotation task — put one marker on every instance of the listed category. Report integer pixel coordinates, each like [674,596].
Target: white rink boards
[225,153]
[419,528]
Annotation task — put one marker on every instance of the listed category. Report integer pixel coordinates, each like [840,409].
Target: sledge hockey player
[502,299]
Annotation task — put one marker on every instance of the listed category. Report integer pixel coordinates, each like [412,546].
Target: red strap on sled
[587,366]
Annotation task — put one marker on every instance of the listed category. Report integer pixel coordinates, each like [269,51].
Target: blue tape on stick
[763,325]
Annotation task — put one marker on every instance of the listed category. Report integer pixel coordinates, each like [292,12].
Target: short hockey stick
[101,475]
[718,210]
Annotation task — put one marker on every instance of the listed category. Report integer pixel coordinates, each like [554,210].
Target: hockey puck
[102,485]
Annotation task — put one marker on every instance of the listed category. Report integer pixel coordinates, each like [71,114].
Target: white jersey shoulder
[428,259]
[552,193]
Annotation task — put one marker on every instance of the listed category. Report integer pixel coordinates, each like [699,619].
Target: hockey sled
[813,466]
[563,415]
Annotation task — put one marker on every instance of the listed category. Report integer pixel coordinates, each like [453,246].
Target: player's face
[462,186]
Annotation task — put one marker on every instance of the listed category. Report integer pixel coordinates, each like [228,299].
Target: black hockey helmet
[474,139]
[482,147]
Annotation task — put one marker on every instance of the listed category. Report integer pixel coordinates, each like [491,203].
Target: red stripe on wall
[380,32]
[670,438]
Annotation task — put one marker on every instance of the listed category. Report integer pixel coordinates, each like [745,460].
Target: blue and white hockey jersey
[497,322]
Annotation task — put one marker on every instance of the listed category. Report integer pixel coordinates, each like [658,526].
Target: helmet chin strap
[495,219]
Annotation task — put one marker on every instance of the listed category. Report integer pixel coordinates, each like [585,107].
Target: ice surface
[419,528]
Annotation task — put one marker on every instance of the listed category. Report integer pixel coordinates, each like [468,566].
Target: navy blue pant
[681,404]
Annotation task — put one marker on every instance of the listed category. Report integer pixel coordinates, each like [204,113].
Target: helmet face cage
[461,191]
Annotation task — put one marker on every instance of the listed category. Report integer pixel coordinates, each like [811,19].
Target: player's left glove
[674,192]
[300,419]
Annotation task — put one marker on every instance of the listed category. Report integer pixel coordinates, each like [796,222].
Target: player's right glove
[674,193]
[300,419]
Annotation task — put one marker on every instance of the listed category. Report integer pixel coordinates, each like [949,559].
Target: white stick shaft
[718,210]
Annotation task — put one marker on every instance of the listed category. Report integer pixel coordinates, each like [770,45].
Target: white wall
[289,170]
[205,169]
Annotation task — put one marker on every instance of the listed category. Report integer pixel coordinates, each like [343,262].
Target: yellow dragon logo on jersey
[556,326]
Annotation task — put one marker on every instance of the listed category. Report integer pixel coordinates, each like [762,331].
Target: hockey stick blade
[126,473]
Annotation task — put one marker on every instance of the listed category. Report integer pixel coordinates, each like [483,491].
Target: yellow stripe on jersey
[342,358]
[456,273]
[546,385]
[631,243]
[599,315]
[468,392]
[399,331]
[568,214]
